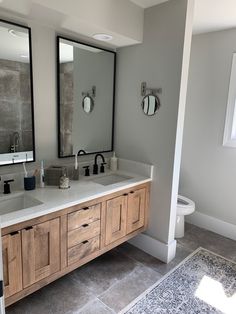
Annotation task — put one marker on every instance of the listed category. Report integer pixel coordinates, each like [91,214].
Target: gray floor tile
[96,307]
[151,261]
[63,296]
[104,271]
[195,237]
[127,289]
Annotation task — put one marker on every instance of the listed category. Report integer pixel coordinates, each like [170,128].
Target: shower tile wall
[66,106]
[15,105]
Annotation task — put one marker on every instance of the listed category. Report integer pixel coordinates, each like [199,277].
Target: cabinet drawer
[83,249]
[85,232]
[83,216]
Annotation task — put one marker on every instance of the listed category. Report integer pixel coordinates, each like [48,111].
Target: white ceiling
[214,15]
[147,3]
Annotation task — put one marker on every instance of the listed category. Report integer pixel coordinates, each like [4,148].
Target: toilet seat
[185,206]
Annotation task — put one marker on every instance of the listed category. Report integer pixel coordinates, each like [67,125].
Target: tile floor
[109,283]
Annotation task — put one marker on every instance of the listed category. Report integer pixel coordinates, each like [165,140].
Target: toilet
[185,206]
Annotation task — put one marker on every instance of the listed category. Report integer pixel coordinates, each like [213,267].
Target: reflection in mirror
[88,104]
[85,106]
[16,103]
[150,104]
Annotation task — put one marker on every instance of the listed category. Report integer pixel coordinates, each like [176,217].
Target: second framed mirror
[86,79]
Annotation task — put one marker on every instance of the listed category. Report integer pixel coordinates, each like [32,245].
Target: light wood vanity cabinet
[136,209]
[12,263]
[38,251]
[116,217]
[84,229]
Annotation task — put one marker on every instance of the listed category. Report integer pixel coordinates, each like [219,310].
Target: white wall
[158,61]
[208,171]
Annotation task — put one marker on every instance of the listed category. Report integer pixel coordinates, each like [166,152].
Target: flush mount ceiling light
[18,33]
[102,37]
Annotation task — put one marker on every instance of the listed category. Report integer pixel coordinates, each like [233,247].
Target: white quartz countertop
[54,199]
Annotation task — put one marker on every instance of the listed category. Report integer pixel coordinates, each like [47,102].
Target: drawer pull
[126,194]
[85,225]
[84,242]
[131,192]
[28,228]
[14,233]
[85,208]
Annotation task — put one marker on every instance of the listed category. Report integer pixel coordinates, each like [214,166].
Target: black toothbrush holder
[29,183]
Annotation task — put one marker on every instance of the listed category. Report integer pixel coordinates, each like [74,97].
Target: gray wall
[158,61]
[208,170]
[15,105]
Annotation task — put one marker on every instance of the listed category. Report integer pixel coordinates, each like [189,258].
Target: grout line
[107,306]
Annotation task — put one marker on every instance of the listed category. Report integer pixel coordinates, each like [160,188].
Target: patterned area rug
[203,283]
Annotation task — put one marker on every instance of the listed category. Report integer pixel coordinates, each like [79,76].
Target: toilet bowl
[185,206]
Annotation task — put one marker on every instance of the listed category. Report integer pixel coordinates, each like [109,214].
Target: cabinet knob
[125,194]
[84,242]
[85,225]
[131,192]
[85,208]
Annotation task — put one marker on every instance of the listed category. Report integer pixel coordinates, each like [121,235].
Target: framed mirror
[86,79]
[16,95]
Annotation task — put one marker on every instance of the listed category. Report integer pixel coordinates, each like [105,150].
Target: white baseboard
[162,251]
[221,227]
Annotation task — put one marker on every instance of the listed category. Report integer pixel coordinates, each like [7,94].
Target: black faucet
[7,187]
[81,152]
[95,166]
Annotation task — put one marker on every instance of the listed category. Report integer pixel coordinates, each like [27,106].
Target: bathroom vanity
[69,228]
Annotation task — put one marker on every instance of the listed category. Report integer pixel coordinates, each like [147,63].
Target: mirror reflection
[88,104]
[150,104]
[86,79]
[16,114]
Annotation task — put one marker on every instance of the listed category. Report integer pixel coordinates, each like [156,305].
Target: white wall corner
[213,224]
[162,251]
[181,114]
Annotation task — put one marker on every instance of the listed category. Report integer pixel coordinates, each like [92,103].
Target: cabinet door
[116,212]
[136,210]
[12,263]
[40,251]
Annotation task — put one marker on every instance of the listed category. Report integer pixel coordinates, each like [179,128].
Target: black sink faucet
[95,166]
[81,152]
[7,188]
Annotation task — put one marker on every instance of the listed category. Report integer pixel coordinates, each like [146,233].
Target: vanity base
[55,244]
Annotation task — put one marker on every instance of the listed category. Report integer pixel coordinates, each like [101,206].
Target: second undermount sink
[10,204]
[111,179]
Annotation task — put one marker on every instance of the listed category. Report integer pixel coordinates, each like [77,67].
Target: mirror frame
[58,93]
[31,91]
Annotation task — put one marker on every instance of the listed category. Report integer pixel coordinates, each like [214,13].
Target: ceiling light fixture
[103,37]
[18,33]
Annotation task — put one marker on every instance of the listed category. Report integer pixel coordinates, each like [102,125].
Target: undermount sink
[17,202]
[111,179]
